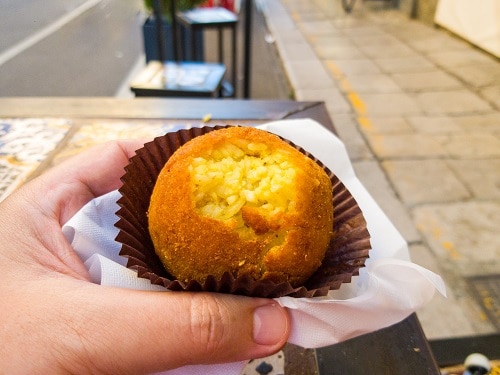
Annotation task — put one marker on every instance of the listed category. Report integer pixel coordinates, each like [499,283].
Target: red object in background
[228,4]
[207,4]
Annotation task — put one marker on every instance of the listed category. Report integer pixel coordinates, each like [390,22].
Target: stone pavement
[418,110]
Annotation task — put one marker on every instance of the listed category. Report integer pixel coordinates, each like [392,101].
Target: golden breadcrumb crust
[243,201]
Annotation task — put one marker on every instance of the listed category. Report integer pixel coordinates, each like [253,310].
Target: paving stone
[332,39]
[462,57]
[392,51]
[478,75]
[434,124]
[372,83]
[482,176]
[424,181]
[354,141]
[332,96]
[409,32]
[372,177]
[440,316]
[318,27]
[451,102]
[458,315]
[362,30]
[385,125]
[432,42]
[471,146]
[377,39]
[463,234]
[308,74]
[338,52]
[491,94]
[361,67]
[391,104]
[390,146]
[278,19]
[300,51]
[485,122]
[291,36]
[408,64]
[426,81]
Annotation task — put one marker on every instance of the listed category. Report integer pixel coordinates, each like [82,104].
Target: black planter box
[151,42]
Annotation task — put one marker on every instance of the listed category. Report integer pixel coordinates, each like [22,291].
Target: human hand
[54,320]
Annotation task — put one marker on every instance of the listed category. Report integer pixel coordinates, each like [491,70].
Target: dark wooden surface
[157,108]
[399,349]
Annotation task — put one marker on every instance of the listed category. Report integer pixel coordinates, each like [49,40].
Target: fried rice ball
[241,200]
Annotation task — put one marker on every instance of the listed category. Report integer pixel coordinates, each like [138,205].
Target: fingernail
[270,324]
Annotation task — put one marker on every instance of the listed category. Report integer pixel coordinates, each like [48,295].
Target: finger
[64,189]
[100,168]
[158,331]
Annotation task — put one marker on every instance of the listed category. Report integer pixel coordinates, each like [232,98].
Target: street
[68,48]
[95,47]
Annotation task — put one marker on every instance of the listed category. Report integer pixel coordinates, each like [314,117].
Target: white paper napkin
[387,290]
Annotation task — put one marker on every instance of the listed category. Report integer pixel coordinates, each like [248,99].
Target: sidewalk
[418,110]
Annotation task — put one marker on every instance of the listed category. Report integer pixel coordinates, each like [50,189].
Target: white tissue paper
[386,291]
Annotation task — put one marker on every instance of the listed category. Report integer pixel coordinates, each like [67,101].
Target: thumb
[153,331]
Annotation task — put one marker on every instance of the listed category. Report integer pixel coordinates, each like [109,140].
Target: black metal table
[219,18]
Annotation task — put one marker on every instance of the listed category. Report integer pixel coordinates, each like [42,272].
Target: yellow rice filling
[239,174]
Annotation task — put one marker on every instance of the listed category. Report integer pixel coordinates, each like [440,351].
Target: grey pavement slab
[461,57]
[374,179]
[385,125]
[355,143]
[492,95]
[392,50]
[298,51]
[355,67]
[478,75]
[376,38]
[481,123]
[339,52]
[332,96]
[390,104]
[401,146]
[428,41]
[405,64]
[462,234]
[471,146]
[425,181]
[318,27]
[373,83]
[309,74]
[457,322]
[480,176]
[426,81]
[451,102]
[434,124]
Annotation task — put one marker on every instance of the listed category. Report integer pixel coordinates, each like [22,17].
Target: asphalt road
[94,48]
[68,48]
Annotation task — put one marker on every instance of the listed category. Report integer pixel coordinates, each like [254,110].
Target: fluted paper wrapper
[346,253]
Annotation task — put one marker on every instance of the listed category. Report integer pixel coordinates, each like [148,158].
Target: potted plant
[151,37]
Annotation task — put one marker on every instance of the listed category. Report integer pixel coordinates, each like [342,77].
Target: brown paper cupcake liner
[346,254]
